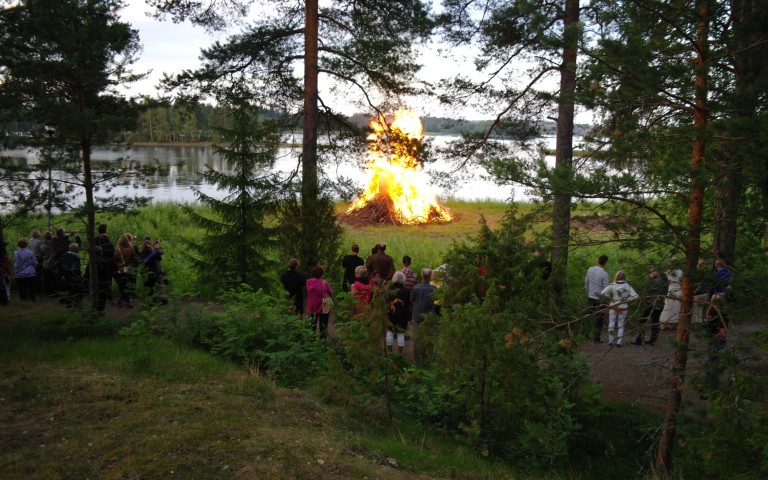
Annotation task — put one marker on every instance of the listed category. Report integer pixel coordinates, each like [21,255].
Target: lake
[170,173]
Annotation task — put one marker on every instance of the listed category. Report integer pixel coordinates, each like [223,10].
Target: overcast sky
[170,47]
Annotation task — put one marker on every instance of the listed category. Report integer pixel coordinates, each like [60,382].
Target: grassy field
[425,244]
[94,408]
[78,406]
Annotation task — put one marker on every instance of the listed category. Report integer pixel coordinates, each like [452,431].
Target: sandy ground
[641,374]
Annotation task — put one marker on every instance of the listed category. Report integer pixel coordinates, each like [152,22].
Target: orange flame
[394,172]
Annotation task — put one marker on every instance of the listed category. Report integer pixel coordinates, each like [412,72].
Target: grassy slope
[90,408]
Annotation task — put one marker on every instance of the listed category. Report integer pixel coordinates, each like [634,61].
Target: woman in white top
[671,312]
[619,293]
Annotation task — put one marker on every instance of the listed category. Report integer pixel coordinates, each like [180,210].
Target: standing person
[594,282]
[399,308]
[60,247]
[671,313]
[70,267]
[126,261]
[410,276]
[49,259]
[149,260]
[619,292]
[293,283]
[24,269]
[380,265]
[317,288]
[107,261]
[654,305]
[723,276]
[104,268]
[36,245]
[350,262]
[421,297]
[362,288]
[5,275]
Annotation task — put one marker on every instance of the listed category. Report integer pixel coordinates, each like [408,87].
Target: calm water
[169,173]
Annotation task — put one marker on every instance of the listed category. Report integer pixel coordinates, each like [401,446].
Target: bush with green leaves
[728,437]
[503,350]
[254,328]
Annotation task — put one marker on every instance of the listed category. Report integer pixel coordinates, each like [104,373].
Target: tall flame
[394,177]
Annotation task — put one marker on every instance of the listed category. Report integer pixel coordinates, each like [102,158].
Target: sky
[169,48]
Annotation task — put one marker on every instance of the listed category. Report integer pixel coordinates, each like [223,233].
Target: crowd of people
[406,297]
[51,264]
[662,305]
[409,297]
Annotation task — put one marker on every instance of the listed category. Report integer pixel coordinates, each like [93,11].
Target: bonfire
[397,190]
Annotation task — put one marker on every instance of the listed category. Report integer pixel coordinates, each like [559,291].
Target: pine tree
[60,63]
[512,36]
[238,237]
[363,46]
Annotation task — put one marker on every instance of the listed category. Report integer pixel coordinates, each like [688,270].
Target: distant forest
[171,124]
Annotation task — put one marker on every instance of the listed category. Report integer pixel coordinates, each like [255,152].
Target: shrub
[253,328]
[501,350]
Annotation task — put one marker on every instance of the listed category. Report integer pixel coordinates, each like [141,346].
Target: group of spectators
[662,304]
[407,298]
[51,264]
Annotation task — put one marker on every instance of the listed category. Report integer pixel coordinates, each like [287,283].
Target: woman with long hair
[126,261]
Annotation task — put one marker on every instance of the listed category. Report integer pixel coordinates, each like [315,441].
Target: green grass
[92,408]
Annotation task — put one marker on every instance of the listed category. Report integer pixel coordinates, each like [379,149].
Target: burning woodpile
[396,191]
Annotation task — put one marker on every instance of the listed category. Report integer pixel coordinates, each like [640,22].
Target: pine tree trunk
[561,214]
[692,243]
[747,65]
[728,205]
[90,223]
[309,185]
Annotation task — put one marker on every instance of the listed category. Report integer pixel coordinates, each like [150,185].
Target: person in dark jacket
[380,265]
[421,297]
[350,262]
[654,304]
[293,282]
[399,307]
[70,269]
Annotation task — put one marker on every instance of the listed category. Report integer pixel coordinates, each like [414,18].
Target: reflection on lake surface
[168,173]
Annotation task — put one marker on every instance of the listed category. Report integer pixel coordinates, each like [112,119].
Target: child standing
[619,294]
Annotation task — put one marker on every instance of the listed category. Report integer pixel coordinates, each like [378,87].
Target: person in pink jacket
[317,288]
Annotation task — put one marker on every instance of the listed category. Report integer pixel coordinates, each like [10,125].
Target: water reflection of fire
[397,191]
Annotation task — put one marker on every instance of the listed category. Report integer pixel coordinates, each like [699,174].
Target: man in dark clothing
[350,263]
[293,282]
[60,246]
[421,297]
[71,275]
[380,265]
[106,260]
[654,306]
[104,269]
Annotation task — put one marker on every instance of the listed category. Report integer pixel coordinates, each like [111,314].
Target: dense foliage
[236,247]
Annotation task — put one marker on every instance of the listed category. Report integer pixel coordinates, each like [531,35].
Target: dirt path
[640,374]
